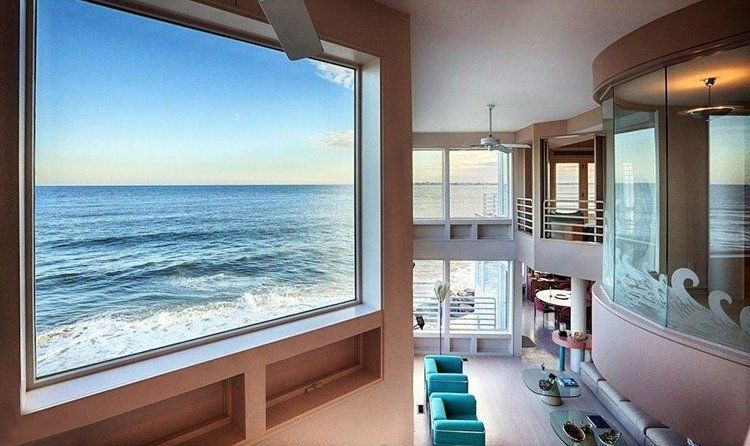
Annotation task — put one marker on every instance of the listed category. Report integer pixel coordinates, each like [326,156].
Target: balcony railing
[578,220]
[473,313]
[427,307]
[490,204]
[467,313]
[525,214]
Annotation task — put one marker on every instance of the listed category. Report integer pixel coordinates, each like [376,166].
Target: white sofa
[644,428]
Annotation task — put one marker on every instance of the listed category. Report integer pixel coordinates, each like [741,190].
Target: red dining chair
[543,307]
[563,316]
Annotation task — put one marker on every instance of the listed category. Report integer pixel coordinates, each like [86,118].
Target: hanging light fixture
[705,113]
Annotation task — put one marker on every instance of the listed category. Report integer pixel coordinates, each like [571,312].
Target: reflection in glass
[636,207]
[677,243]
[708,201]
[729,179]
[608,248]
[427,171]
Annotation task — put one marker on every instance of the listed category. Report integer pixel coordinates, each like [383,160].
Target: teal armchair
[444,373]
[453,419]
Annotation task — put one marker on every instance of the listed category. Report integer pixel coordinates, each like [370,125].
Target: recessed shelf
[494,232]
[462,232]
[297,385]
[212,414]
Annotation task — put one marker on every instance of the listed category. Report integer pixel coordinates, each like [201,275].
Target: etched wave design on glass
[712,323]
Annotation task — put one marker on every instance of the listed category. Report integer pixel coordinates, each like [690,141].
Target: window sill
[66,391]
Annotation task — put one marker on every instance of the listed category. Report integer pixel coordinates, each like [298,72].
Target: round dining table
[557,298]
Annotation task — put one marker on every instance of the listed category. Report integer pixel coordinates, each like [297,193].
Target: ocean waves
[121,270]
[122,333]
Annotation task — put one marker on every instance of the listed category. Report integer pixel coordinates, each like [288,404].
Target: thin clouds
[335,74]
[335,141]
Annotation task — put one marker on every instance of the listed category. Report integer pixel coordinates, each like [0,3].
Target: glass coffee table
[554,395]
[558,419]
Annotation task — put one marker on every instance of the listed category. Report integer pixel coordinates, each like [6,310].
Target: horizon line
[193,184]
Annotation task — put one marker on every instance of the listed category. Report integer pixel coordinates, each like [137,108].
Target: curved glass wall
[677,225]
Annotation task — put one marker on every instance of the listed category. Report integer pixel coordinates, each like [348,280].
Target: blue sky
[122,99]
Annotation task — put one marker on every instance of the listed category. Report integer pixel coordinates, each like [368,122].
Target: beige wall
[589,121]
[378,414]
[696,28]
[698,388]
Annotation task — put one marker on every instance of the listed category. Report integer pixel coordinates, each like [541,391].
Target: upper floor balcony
[559,205]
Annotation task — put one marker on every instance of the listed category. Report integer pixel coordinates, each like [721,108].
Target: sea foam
[116,335]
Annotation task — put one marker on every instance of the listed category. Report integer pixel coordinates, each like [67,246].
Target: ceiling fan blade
[516,146]
[291,22]
[472,146]
[502,148]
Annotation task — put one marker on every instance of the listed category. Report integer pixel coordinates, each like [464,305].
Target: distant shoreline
[194,185]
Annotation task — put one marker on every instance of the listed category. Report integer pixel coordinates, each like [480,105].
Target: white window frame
[446,304]
[447,218]
[367,165]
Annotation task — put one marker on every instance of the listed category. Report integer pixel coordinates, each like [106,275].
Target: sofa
[444,373]
[453,420]
[645,429]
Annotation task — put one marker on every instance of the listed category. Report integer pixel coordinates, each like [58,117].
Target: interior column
[578,306]
[518,279]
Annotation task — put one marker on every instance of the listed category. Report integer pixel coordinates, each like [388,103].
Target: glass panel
[567,187]
[591,192]
[479,300]
[428,184]
[426,273]
[681,191]
[636,157]
[478,184]
[187,184]
[608,251]
[709,181]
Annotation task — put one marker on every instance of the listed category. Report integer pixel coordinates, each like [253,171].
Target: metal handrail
[472,313]
[490,204]
[525,214]
[577,220]
[466,313]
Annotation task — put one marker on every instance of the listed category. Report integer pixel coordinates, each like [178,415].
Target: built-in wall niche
[476,230]
[494,231]
[496,344]
[429,231]
[462,232]
[460,345]
[212,414]
[318,377]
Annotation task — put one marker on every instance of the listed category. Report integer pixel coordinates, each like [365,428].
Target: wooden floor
[511,413]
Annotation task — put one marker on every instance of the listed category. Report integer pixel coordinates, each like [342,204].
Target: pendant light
[704,113]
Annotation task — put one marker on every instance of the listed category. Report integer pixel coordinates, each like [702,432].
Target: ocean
[467,200]
[125,269]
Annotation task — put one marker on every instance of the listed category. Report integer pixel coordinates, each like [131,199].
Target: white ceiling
[530,57]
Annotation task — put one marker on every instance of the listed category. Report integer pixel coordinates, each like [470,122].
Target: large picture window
[185,184]
[461,184]
[428,184]
[479,184]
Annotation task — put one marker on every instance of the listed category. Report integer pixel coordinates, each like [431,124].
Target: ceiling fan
[293,26]
[491,142]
